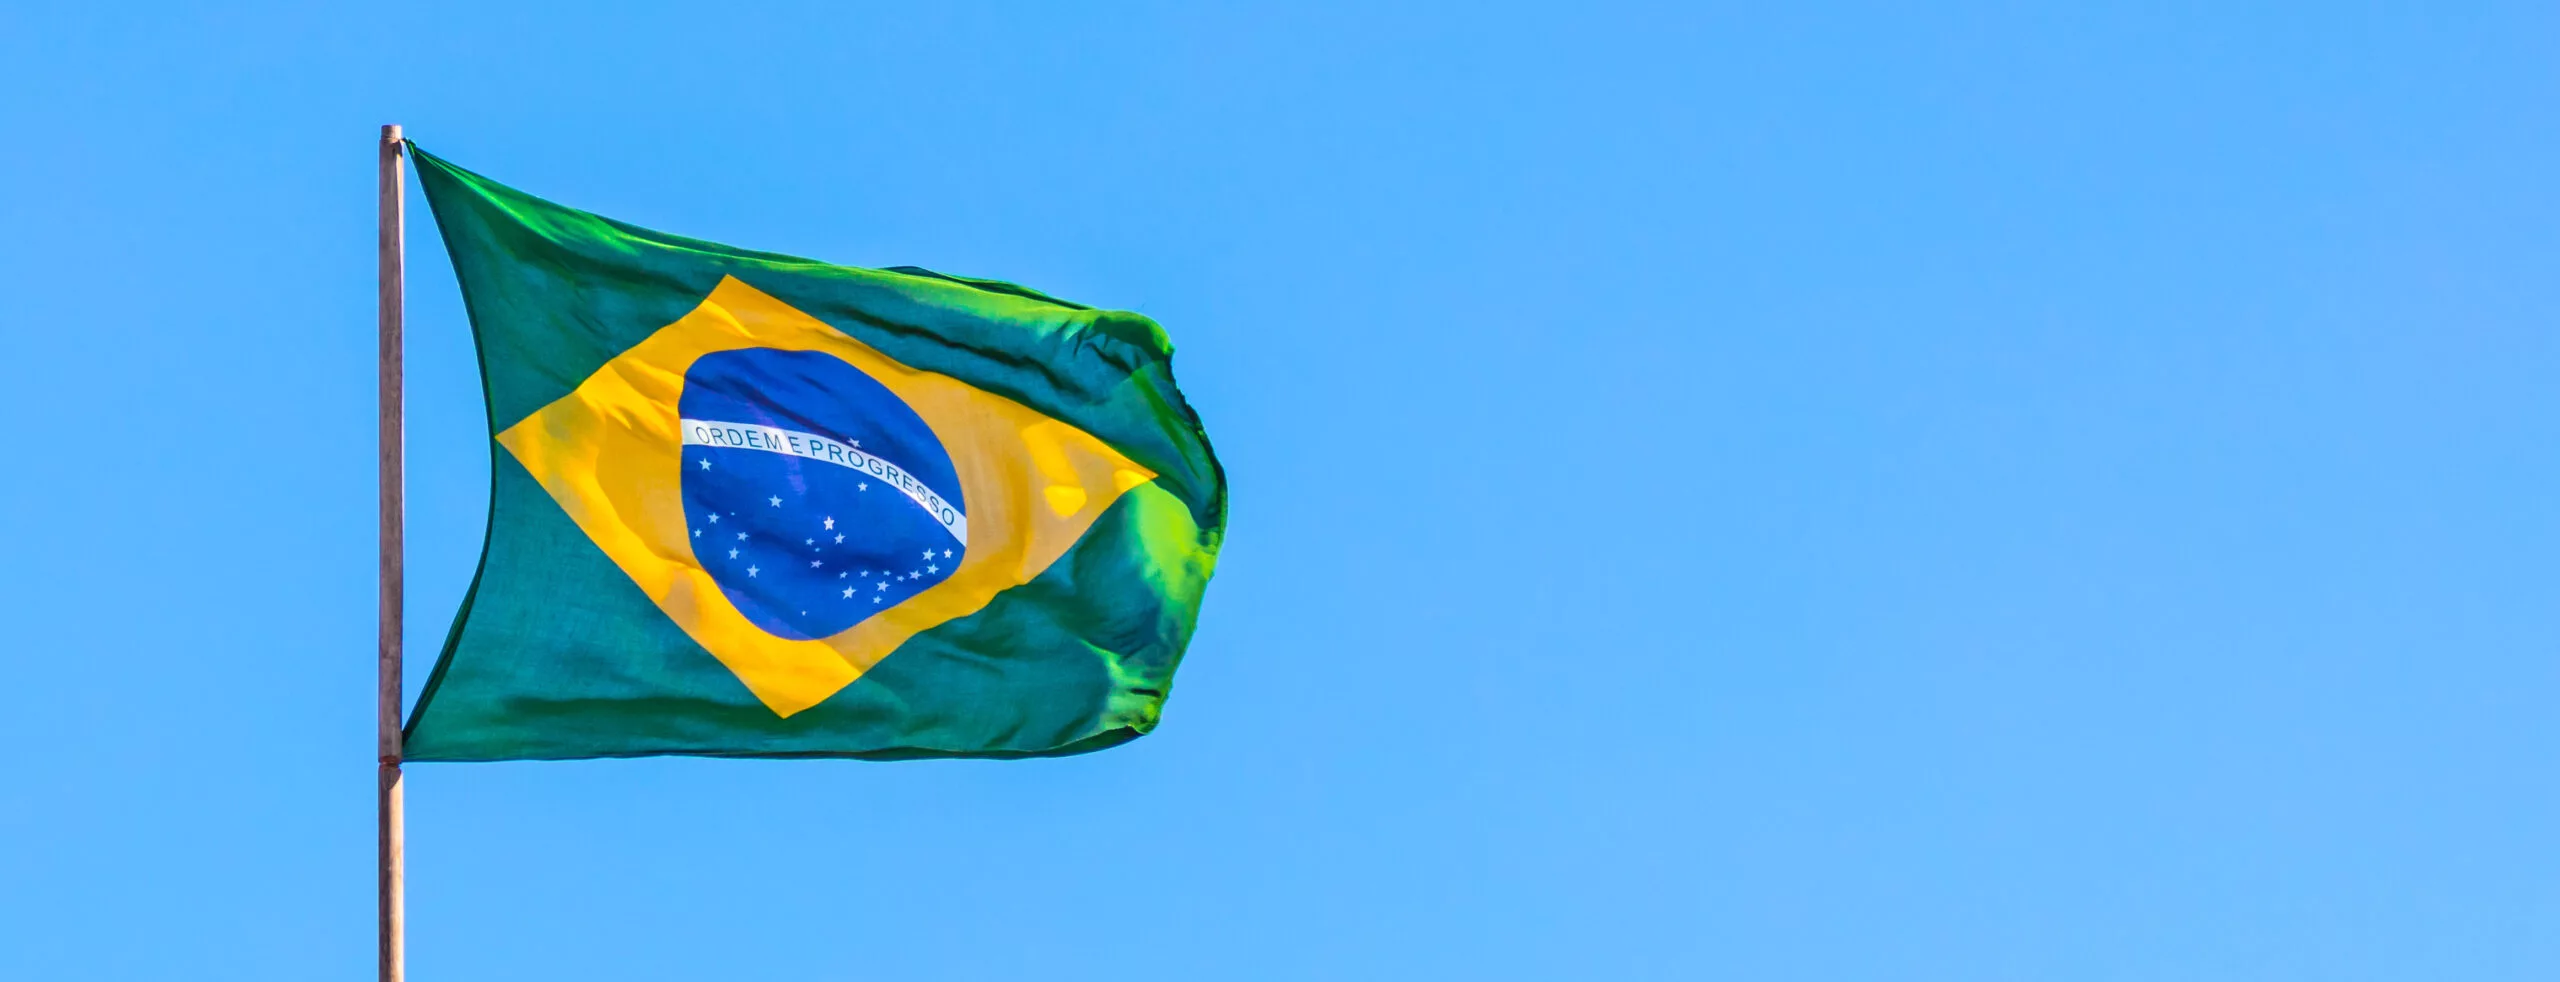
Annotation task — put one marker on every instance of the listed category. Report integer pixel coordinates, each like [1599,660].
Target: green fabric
[557,654]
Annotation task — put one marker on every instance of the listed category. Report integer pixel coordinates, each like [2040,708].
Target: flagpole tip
[390,132]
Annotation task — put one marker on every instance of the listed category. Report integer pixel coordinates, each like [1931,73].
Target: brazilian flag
[750,505]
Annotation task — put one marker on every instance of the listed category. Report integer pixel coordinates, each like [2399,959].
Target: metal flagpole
[389,481]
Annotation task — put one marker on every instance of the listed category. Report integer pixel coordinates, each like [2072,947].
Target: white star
[946,554]
[859,486]
[930,568]
[742,537]
[697,533]
[715,518]
[751,571]
[875,600]
[733,554]
[928,554]
[848,592]
[857,443]
[831,523]
[839,538]
[883,586]
[842,575]
[777,502]
[706,463]
[813,564]
[808,542]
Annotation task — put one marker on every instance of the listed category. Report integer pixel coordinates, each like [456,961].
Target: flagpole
[389,481]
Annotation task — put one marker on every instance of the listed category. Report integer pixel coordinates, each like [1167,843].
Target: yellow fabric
[610,454]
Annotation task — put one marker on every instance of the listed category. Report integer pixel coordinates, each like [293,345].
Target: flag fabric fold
[745,504]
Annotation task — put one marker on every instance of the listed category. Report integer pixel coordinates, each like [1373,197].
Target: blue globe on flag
[813,496]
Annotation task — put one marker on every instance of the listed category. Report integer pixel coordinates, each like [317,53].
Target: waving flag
[751,505]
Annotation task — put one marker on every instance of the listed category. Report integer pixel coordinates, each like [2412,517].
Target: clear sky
[1845,493]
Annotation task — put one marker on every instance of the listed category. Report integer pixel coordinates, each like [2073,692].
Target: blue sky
[1997,492]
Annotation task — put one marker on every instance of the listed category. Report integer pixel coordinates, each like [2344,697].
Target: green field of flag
[746,504]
